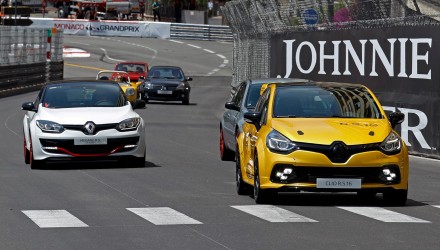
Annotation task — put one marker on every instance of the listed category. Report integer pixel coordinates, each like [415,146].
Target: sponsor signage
[105,28]
[116,28]
[400,64]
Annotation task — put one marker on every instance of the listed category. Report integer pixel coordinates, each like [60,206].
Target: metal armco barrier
[56,71]
[15,79]
[201,32]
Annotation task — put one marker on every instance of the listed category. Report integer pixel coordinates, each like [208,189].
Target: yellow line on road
[82,66]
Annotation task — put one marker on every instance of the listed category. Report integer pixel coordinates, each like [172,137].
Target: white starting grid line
[382,214]
[168,216]
[273,214]
[53,218]
[163,216]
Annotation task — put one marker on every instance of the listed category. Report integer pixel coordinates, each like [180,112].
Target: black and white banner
[400,64]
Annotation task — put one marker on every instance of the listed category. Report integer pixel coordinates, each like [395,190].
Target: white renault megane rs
[83,121]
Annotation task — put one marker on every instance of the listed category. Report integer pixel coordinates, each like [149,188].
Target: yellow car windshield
[324,102]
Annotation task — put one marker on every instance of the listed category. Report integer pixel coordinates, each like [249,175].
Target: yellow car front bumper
[307,167]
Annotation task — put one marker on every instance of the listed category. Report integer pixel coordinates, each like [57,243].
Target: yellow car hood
[325,131]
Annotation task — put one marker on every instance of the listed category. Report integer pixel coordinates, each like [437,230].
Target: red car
[134,69]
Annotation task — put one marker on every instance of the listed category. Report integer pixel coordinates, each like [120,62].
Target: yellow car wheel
[261,196]
[395,197]
[242,187]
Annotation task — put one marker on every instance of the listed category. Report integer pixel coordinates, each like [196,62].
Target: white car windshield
[75,95]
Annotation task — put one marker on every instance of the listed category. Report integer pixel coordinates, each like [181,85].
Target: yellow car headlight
[278,143]
[129,91]
[392,144]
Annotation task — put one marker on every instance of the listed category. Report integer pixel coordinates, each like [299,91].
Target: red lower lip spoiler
[90,155]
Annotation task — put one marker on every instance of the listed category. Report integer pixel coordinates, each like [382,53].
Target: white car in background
[83,121]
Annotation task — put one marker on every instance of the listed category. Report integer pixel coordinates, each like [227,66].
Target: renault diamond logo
[89,128]
[339,152]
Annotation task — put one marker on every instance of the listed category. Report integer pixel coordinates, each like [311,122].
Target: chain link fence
[254,21]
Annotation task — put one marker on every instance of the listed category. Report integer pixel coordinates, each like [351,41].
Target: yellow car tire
[242,187]
[396,197]
[261,196]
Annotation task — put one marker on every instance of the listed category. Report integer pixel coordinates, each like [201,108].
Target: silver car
[244,97]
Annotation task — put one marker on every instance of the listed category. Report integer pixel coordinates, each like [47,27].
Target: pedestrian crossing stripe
[163,216]
[384,215]
[53,218]
[273,214]
[169,216]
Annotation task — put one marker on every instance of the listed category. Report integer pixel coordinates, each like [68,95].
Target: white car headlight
[49,126]
[278,143]
[129,124]
[181,86]
[392,144]
[129,91]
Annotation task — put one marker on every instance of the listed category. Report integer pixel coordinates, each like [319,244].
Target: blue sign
[310,16]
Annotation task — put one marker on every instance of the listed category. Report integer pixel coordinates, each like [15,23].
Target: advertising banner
[400,64]
[105,28]
[132,29]
[69,26]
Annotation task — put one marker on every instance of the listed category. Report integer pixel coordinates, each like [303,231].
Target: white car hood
[79,116]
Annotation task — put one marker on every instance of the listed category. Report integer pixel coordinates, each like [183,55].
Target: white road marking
[6,125]
[175,41]
[163,216]
[143,46]
[273,214]
[194,46]
[384,215]
[105,53]
[437,206]
[53,218]
[209,51]
[424,158]
[221,56]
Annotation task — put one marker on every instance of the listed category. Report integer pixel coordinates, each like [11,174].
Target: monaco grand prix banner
[400,64]
[105,28]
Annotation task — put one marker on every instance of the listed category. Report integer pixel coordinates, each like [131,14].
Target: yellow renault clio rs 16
[321,137]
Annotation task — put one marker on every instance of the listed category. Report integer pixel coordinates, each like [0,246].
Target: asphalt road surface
[184,197]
